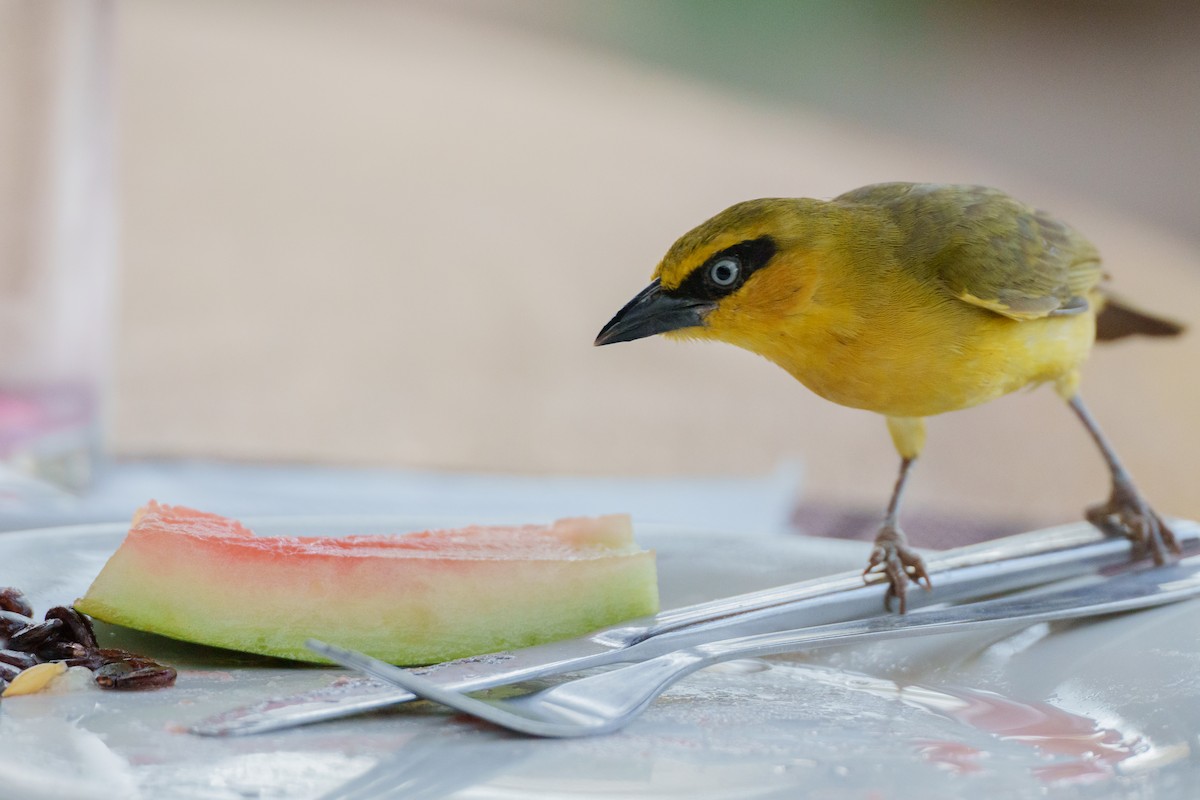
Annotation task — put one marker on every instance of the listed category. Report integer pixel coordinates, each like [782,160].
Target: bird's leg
[892,555]
[1126,513]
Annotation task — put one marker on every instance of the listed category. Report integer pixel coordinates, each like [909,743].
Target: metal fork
[609,701]
[967,573]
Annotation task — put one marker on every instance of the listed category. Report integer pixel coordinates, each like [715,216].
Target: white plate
[1104,709]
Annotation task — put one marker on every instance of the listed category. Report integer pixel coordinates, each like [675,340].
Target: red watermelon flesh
[415,598]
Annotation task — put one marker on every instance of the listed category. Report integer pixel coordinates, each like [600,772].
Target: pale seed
[35,678]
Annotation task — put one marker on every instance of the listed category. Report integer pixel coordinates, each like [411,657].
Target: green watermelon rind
[419,607]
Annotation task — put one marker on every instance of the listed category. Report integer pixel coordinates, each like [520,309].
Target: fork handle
[1003,565]
[1138,588]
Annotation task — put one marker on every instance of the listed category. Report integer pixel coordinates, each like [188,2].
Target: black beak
[653,312]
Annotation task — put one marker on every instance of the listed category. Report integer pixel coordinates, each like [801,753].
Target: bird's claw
[899,563]
[1126,513]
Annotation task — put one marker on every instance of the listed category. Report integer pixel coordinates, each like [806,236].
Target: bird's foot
[1126,513]
[893,558]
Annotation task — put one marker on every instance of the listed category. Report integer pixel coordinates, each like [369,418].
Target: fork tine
[428,690]
[607,701]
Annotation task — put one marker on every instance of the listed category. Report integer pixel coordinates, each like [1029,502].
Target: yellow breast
[902,347]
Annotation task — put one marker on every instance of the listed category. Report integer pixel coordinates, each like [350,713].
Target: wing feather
[988,249]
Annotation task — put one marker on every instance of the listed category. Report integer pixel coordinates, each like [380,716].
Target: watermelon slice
[418,598]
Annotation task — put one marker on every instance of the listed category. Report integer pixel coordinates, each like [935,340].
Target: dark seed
[32,636]
[78,627]
[61,651]
[94,659]
[11,622]
[85,661]
[130,675]
[108,655]
[66,636]
[91,659]
[131,660]
[17,658]
[14,600]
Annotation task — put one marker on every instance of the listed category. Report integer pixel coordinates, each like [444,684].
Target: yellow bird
[908,300]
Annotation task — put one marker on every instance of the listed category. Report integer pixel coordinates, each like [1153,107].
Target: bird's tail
[1117,319]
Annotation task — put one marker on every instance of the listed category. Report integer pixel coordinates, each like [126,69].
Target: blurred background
[384,234]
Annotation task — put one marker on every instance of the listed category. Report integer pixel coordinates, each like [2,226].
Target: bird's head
[732,277]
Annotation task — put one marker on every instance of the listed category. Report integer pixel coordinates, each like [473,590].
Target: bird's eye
[725,272]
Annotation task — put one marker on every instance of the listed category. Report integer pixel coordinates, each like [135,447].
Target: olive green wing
[988,249]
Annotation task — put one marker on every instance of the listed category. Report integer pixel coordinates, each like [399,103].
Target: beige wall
[388,235]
